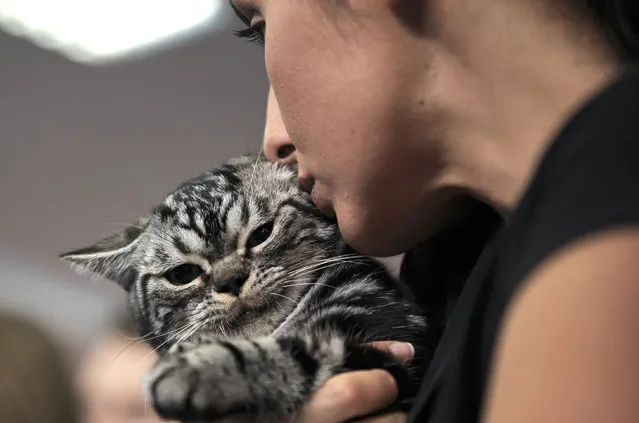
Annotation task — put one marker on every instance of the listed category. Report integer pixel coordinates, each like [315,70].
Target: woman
[396,110]
[35,383]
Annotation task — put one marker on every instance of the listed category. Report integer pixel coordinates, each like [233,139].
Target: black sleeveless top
[587,181]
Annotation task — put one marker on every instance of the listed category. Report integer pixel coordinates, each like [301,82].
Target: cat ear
[111,256]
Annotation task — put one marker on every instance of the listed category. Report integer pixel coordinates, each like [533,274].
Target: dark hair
[619,21]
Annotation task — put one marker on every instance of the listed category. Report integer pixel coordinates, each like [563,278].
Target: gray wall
[83,148]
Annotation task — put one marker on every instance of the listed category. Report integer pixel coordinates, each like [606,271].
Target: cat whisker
[221,327]
[146,339]
[257,160]
[149,338]
[128,225]
[283,296]
[129,211]
[125,349]
[342,257]
[129,338]
[143,339]
[316,268]
[190,333]
[187,328]
[336,260]
[304,261]
[177,334]
[291,285]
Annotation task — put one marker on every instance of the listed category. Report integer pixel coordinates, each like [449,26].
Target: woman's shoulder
[568,346]
[587,181]
[565,280]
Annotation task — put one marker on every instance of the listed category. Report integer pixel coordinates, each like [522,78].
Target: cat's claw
[197,384]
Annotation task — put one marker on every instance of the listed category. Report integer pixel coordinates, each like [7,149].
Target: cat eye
[183,274]
[260,235]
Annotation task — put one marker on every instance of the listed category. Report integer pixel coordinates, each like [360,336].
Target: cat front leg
[267,378]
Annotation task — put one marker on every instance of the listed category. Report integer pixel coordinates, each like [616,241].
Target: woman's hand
[357,393]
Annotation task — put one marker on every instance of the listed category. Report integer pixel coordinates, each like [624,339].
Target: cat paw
[199,383]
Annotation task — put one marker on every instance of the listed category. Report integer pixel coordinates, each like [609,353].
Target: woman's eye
[183,274]
[254,33]
[255,22]
[260,235]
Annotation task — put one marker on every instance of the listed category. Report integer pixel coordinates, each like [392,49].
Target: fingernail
[402,351]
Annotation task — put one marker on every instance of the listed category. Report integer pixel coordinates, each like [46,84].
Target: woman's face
[347,84]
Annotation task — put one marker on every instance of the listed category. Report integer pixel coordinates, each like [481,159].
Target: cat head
[227,252]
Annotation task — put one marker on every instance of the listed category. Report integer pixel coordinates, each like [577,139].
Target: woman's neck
[515,85]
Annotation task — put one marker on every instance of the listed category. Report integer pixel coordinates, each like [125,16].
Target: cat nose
[232,285]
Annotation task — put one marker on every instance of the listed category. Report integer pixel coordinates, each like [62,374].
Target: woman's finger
[386,418]
[349,395]
[402,351]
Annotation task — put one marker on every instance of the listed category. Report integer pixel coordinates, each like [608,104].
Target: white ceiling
[83,147]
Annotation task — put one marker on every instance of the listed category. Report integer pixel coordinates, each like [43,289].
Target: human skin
[396,107]
[382,113]
[110,381]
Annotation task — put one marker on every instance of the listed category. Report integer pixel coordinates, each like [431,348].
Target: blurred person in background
[111,374]
[36,386]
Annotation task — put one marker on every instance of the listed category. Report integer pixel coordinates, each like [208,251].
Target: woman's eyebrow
[239,14]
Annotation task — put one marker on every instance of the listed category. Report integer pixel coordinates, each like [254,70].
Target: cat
[251,297]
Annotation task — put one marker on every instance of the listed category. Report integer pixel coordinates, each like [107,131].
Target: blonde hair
[35,384]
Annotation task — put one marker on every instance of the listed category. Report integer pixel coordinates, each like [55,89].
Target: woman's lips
[324,206]
[306,182]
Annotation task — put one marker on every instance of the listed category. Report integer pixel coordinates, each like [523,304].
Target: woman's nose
[280,150]
[277,144]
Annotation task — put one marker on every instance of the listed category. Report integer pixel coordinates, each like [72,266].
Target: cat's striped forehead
[207,214]
[240,177]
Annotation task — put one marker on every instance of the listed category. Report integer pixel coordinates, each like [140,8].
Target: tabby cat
[251,297]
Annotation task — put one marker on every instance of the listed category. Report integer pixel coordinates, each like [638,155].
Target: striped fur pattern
[251,297]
